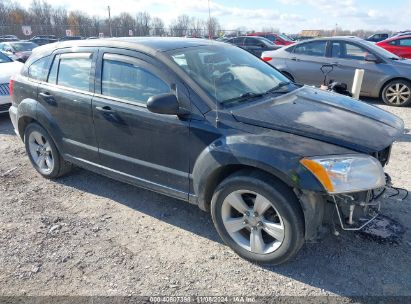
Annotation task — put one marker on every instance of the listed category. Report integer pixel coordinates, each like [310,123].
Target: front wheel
[259,218]
[397,93]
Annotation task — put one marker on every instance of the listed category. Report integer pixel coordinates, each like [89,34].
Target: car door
[66,95]
[349,56]
[145,148]
[305,62]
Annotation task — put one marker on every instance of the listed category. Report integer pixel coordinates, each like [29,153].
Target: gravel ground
[85,234]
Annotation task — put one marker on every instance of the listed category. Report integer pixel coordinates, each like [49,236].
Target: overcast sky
[289,16]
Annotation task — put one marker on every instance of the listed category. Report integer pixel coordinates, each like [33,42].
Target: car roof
[343,38]
[161,44]
[400,37]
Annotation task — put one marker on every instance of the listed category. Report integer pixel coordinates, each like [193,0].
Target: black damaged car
[210,124]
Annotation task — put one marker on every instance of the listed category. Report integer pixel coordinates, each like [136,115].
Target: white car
[8,68]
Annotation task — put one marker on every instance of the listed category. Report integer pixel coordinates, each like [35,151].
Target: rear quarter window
[38,70]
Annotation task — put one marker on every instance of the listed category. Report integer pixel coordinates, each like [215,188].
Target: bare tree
[213,27]
[157,27]
[143,20]
[180,26]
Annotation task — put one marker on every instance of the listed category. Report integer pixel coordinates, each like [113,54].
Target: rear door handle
[47,97]
[295,59]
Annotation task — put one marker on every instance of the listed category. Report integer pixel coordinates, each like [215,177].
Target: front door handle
[110,114]
[105,109]
[47,97]
[295,59]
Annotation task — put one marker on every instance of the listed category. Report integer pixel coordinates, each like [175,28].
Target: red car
[278,39]
[400,46]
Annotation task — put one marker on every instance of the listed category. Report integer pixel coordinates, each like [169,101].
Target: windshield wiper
[244,97]
[278,86]
[249,95]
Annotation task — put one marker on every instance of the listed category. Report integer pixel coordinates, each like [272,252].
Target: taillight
[266,58]
[11,86]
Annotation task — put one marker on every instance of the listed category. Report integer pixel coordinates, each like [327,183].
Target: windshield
[23,46]
[380,51]
[4,58]
[228,73]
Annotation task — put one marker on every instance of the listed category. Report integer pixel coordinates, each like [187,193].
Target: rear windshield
[23,46]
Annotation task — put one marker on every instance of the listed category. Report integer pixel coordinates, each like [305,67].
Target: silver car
[386,75]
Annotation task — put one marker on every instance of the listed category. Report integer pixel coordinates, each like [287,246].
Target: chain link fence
[103,30]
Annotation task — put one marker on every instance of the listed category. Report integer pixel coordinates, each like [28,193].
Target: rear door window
[74,71]
[314,48]
[252,42]
[405,42]
[130,79]
[238,40]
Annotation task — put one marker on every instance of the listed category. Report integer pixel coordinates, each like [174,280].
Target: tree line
[47,19]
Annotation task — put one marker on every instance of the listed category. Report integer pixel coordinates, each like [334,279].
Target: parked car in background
[386,75]
[378,37]
[43,39]
[211,124]
[278,39]
[8,68]
[398,45]
[7,38]
[67,38]
[403,33]
[17,50]
[253,44]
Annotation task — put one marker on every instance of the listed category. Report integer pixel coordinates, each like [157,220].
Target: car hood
[325,116]
[8,69]
[404,62]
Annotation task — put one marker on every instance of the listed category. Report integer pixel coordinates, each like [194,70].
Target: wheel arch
[218,162]
[30,111]
[390,80]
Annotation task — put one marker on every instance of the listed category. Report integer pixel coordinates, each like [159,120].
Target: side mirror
[262,45]
[163,104]
[371,58]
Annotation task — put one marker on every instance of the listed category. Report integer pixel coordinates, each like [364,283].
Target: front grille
[383,156]
[4,89]
[5,107]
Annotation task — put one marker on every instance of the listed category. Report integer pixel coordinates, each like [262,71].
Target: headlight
[346,173]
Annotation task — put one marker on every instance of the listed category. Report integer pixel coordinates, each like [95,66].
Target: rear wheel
[259,218]
[397,93]
[43,153]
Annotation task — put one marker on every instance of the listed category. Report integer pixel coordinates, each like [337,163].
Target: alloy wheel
[40,151]
[398,93]
[252,222]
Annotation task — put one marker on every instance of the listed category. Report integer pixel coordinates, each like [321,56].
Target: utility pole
[109,21]
[209,20]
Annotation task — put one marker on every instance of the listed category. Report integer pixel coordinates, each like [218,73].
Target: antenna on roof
[215,89]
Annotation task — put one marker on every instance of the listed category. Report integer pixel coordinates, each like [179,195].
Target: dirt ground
[85,234]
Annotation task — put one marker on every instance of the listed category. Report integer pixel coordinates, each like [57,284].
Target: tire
[397,93]
[283,213]
[43,153]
